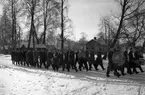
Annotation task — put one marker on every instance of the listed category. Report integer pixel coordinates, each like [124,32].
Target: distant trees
[5,29]
[13,9]
[51,20]
[107,29]
[83,40]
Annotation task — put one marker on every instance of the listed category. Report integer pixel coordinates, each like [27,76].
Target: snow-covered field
[17,80]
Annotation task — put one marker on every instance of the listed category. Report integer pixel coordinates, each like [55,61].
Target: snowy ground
[17,80]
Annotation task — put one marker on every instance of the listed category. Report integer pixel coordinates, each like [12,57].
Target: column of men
[71,60]
[132,61]
[64,61]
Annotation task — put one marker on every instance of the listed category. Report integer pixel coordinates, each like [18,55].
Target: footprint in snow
[62,85]
[104,89]
[2,86]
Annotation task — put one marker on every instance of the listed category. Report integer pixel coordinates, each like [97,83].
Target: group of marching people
[132,61]
[76,60]
[66,61]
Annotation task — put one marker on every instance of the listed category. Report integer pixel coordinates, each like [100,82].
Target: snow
[17,80]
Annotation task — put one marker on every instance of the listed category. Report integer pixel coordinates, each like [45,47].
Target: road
[20,80]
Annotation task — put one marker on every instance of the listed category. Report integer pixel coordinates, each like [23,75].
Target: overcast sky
[0,9]
[85,15]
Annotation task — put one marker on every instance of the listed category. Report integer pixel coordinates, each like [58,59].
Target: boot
[117,74]
[107,75]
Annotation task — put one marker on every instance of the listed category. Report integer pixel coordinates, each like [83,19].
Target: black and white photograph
[72,47]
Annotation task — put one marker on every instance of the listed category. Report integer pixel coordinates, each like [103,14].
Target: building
[97,44]
[24,44]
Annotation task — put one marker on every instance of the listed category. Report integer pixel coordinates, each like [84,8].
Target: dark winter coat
[110,54]
[131,57]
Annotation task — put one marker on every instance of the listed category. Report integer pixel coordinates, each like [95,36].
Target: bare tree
[128,8]
[134,29]
[31,8]
[66,23]
[5,29]
[50,16]
[62,26]
[107,29]
[83,40]
[14,9]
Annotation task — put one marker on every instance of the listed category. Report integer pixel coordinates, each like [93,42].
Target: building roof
[25,44]
[40,46]
[97,41]
[51,47]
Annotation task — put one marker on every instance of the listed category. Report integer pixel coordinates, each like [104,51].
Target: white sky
[0,9]
[86,14]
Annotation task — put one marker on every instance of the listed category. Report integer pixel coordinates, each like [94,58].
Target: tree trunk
[32,28]
[45,14]
[35,34]
[29,41]
[45,27]
[15,28]
[32,19]
[62,27]
[12,10]
[120,25]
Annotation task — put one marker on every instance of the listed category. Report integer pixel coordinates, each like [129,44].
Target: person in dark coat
[131,61]
[18,57]
[72,60]
[88,57]
[43,58]
[137,56]
[92,60]
[13,54]
[29,57]
[63,61]
[67,61]
[99,60]
[55,64]
[32,58]
[110,64]
[82,60]
[24,56]
[126,55]
[35,57]
[50,56]
[59,56]
[127,62]
[76,57]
